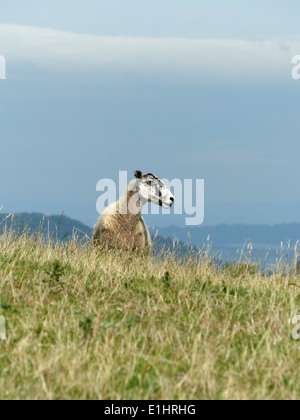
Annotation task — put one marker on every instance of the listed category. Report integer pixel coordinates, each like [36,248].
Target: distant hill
[225,240]
[61,227]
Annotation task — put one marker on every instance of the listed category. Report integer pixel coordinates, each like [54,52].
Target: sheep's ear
[138,174]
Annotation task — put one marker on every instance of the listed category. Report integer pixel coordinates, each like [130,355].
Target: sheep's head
[151,188]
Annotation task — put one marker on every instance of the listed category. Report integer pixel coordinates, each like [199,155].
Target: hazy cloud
[203,60]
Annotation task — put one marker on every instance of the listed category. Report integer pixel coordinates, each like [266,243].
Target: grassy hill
[88,325]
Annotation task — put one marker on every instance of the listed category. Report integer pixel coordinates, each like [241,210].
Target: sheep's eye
[149,183]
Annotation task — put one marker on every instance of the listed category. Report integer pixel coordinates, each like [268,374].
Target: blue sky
[183,89]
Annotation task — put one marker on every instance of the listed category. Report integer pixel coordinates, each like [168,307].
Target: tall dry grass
[88,325]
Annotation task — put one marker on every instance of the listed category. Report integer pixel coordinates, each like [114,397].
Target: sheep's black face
[152,189]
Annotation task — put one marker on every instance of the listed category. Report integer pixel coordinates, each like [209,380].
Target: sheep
[121,225]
